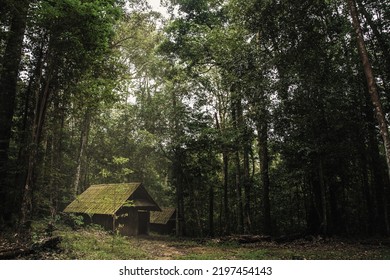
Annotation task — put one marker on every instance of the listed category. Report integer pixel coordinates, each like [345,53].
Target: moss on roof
[102,199]
[162,217]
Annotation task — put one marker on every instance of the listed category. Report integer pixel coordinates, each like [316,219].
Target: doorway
[143,222]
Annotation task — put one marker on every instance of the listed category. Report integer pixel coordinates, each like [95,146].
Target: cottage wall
[127,221]
[104,220]
[168,228]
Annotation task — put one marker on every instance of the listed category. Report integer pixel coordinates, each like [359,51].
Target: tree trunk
[226,211]
[177,174]
[211,211]
[262,138]
[367,193]
[83,146]
[324,214]
[372,89]
[193,198]
[8,83]
[247,188]
[225,160]
[245,141]
[240,211]
[55,183]
[178,183]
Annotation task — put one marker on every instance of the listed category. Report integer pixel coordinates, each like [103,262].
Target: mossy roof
[162,217]
[104,199]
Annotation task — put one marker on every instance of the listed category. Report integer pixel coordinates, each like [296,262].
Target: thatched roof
[109,198]
[162,217]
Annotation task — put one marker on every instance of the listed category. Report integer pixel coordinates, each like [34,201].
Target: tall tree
[373,91]
[9,73]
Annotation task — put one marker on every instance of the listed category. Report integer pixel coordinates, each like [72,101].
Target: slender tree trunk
[238,183]
[8,83]
[177,174]
[247,188]
[366,162]
[324,214]
[226,211]
[83,146]
[225,160]
[262,138]
[55,178]
[367,193]
[178,183]
[372,89]
[211,211]
[246,183]
[240,210]
[197,230]
[195,208]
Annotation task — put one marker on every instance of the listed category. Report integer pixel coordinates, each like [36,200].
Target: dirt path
[163,248]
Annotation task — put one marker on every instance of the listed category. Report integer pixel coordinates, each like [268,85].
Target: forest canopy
[258,116]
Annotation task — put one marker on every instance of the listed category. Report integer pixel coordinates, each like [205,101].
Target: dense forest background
[257,116]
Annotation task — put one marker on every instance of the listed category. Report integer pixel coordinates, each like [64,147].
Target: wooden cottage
[163,222]
[122,207]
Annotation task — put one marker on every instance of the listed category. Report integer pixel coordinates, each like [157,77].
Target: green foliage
[186,105]
[77,221]
[294,69]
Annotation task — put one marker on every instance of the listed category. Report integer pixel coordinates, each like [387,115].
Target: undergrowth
[94,243]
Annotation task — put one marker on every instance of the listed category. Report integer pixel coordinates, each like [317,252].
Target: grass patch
[95,244]
[204,256]
[260,254]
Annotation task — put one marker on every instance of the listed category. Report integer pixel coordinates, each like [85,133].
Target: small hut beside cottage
[163,222]
[123,207]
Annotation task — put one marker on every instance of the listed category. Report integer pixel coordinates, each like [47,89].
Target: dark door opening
[143,222]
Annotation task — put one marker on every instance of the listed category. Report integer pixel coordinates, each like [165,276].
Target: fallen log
[45,244]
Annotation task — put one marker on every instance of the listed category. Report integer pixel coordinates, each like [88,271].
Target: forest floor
[96,244]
